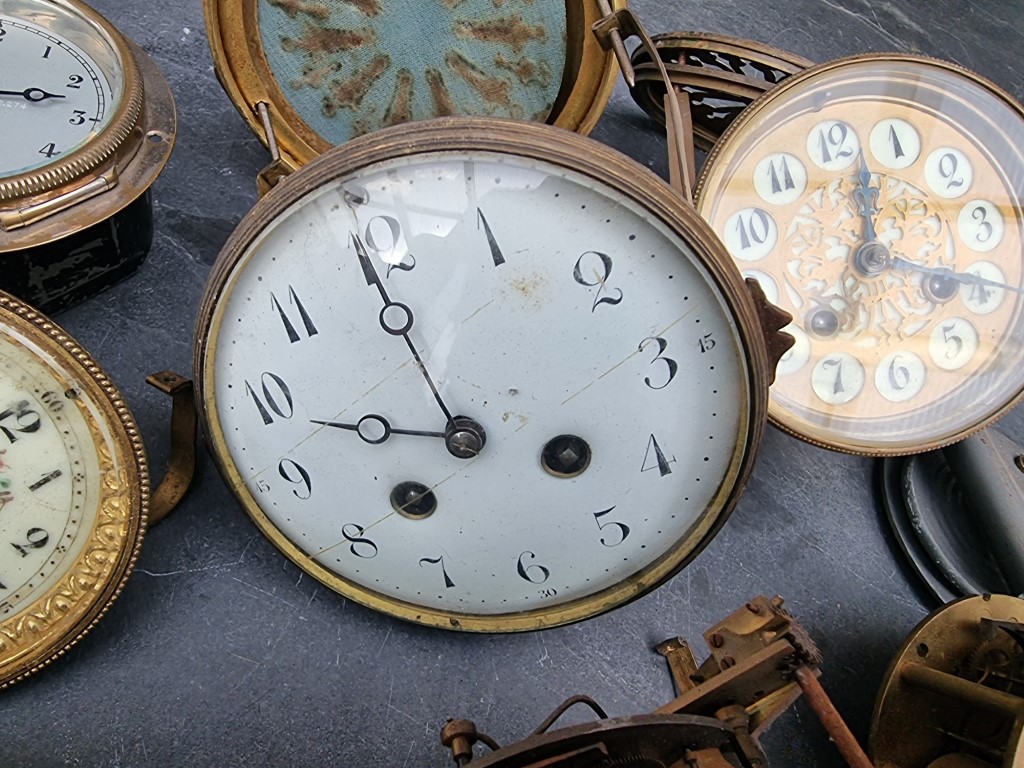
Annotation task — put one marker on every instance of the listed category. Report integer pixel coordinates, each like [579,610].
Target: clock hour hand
[965,278]
[866,197]
[397,319]
[32,94]
[374,429]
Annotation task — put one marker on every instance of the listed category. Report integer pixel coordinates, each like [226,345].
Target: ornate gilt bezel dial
[877,199]
[74,491]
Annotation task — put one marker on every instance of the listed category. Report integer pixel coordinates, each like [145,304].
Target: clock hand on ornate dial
[33,94]
[871,257]
[897,262]
[464,437]
[385,429]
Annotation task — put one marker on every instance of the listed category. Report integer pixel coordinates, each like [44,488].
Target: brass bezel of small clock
[44,630]
[720,155]
[535,142]
[242,68]
[108,173]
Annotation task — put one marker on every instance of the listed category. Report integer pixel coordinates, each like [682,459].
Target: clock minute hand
[33,94]
[961,277]
[395,329]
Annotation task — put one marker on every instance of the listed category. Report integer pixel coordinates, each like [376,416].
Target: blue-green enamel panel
[348,67]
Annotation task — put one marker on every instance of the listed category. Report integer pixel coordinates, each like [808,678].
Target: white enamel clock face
[49,475]
[878,201]
[556,322]
[59,84]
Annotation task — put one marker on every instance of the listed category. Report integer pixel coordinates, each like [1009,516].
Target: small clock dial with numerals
[475,388]
[73,491]
[877,199]
[59,84]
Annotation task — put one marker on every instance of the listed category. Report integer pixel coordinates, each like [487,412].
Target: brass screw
[753,608]
[728,661]
[717,641]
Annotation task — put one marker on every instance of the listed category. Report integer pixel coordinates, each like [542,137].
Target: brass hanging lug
[182,465]
[279,166]
[611,30]
[773,320]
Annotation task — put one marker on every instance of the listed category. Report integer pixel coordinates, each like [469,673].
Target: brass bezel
[721,152]
[536,142]
[241,66]
[105,175]
[43,631]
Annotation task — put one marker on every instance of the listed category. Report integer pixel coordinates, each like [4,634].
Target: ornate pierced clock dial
[59,84]
[878,202]
[348,67]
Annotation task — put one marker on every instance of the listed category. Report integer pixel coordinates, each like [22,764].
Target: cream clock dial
[877,200]
[473,384]
[55,95]
[73,490]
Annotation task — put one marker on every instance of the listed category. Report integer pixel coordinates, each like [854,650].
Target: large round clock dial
[481,374]
[877,200]
[72,491]
[61,84]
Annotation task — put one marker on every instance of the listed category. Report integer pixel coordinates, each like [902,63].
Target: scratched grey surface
[221,653]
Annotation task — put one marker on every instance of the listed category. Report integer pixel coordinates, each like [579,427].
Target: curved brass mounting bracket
[773,320]
[182,465]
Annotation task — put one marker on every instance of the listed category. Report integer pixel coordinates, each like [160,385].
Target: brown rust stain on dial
[443,104]
[326,40]
[400,109]
[293,8]
[510,30]
[350,92]
[491,89]
[526,70]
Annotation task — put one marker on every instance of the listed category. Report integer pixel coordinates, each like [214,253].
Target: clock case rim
[55,622]
[107,174]
[232,30]
[782,418]
[560,148]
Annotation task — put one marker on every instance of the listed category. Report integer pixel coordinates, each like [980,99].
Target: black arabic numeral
[496,255]
[46,53]
[899,375]
[707,343]
[388,250]
[448,583]
[673,366]
[786,182]
[49,150]
[950,337]
[623,528]
[287,468]
[25,418]
[528,572]
[53,401]
[3,34]
[75,81]
[661,463]
[36,538]
[750,233]
[272,405]
[359,545]
[79,118]
[601,278]
[979,293]
[837,363]
[834,139]
[980,215]
[897,147]
[289,326]
[948,165]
